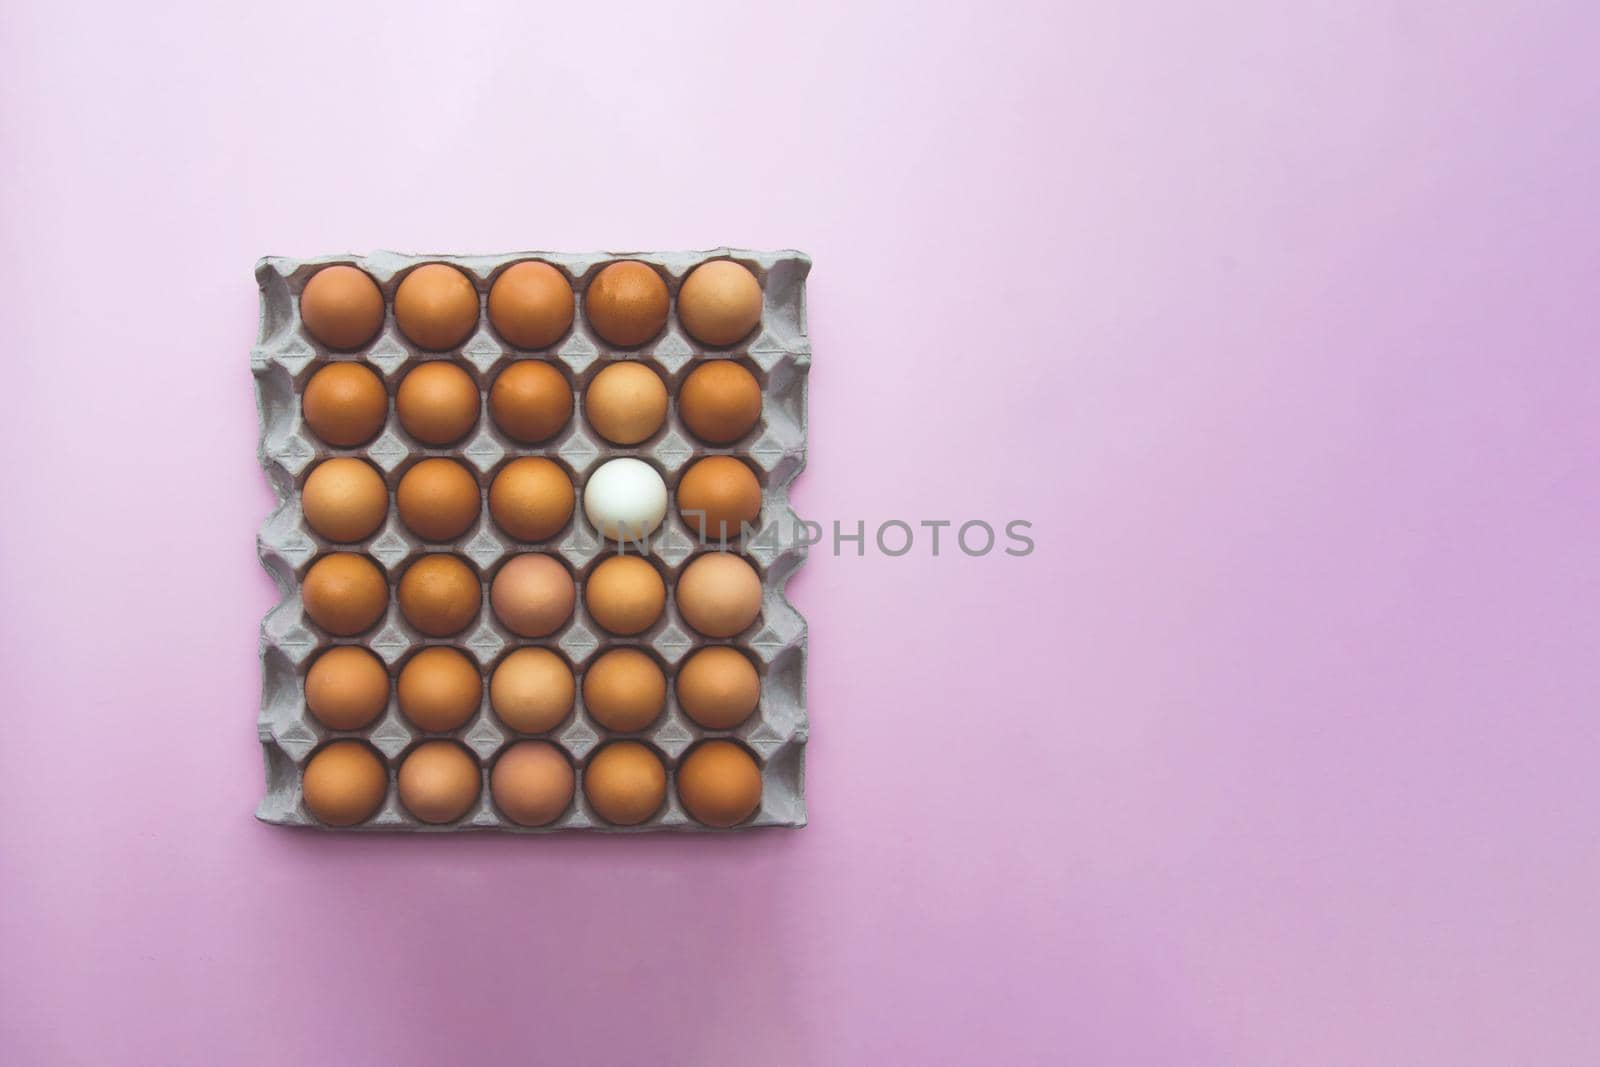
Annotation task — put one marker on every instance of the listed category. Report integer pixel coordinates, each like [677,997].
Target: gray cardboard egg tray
[778,353]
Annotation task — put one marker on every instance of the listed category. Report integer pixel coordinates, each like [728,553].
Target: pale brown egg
[625,595]
[439,781]
[345,404]
[625,690]
[439,595]
[720,401]
[718,687]
[344,593]
[532,690]
[532,783]
[533,595]
[341,307]
[347,688]
[344,499]
[625,783]
[438,499]
[719,303]
[626,403]
[437,403]
[719,594]
[530,303]
[436,306]
[344,783]
[531,498]
[530,401]
[438,689]
[719,783]
[627,303]
[717,496]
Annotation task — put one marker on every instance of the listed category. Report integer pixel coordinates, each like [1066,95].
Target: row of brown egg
[345,403]
[532,690]
[532,595]
[531,305]
[532,783]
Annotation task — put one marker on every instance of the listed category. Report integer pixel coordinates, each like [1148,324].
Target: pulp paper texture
[286,356]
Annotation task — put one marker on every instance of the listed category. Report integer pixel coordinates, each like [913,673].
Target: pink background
[1278,321]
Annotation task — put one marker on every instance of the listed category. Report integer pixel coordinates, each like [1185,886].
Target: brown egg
[436,306]
[625,690]
[344,593]
[719,594]
[438,499]
[625,595]
[530,401]
[718,687]
[344,783]
[439,688]
[344,499]
[627,303]
[719,302]
[439,781]
[717,495]
[532,783]
[720,401]
[342,307]
[531,498]
[719,783]
[437,403]
[625,783]
[347,688]
[345,404]
[533,595]
[439,595]
[626,403]
[532,690]
[530,303]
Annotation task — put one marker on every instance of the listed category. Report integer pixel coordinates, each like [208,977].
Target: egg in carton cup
[518,592]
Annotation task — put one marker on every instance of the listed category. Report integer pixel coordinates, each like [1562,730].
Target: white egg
[625,499]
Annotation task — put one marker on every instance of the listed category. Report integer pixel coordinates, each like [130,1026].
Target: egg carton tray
[779,355]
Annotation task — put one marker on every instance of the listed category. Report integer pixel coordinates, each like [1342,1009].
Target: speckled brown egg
[437,403]
[436,306]
[344,783]
[532,690]
[719,303]
[533,595]
[344,593]
[345,404]
[719,783]
[439,595]
[719,594]
[627,303]
[530,304]
[344,499]
[625,690]
[438,689]
[530,401]
[342,307]
[720,401]
[718,687]
[438,499]
[347,688]
[626,403]
[532,783]
[625,783]
[439,781]
[625,595]
[531,498]
[717,496]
